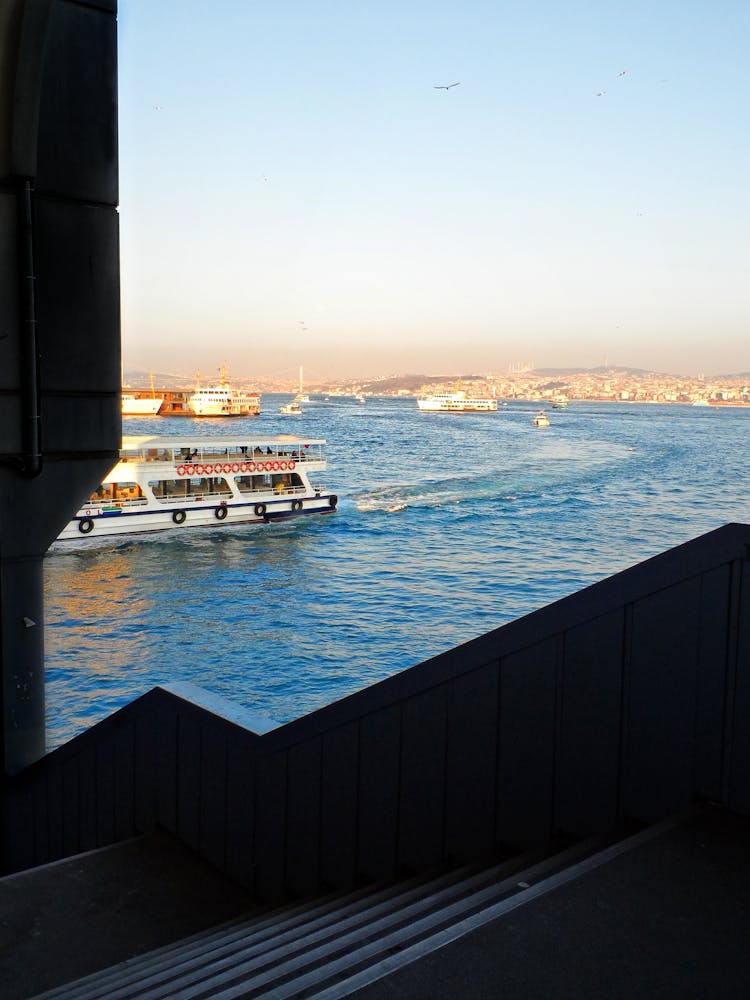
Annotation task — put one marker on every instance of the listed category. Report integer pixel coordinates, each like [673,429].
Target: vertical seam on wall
[557,729]
[498,744]
[397,830]
[628,613]
[730,678]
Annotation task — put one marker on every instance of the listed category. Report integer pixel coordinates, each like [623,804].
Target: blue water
[447,526]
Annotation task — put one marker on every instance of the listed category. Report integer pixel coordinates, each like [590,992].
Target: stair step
[277,943]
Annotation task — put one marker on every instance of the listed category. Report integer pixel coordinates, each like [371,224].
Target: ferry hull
[93,522]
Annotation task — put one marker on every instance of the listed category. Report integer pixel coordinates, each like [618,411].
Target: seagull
[442,86]
[622,72]
[601,93]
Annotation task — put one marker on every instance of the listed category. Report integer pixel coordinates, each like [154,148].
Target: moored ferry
[457,402]
[172,482]
[135,405]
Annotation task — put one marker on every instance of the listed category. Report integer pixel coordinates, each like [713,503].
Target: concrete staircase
[335,946]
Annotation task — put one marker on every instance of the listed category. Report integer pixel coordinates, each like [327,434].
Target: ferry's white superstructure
[180,482]
[457,402]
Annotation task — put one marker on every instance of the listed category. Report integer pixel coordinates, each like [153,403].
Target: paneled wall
[628,700]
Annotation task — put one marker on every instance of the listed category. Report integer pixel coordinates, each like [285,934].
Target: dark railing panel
[124,779]
[471,766]
[422,779]
[661,708]
[713,664]
[187,763]
[270,826]
[739,699]
[240,816]
[338,807]
[303,818]
[212,812]
[379,790]
[526,758]
[587,786]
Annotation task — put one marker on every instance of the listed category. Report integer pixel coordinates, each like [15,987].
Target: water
[447,526]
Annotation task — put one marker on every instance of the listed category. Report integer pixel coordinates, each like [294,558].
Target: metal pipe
[31,454]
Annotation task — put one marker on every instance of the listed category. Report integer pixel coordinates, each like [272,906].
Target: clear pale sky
[294,190]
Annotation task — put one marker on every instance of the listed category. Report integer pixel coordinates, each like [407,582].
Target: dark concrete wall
[626,701]
[60,422]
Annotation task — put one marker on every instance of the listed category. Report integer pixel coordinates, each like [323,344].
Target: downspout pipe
[31,422]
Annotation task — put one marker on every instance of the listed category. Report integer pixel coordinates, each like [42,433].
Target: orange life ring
[235,467]
[190,469]
[261,466]
[208,469]
[180,470]
[243,466]
[275,466]
[291,466]
[227,467]
[282,466]
[199,470]
[251,466]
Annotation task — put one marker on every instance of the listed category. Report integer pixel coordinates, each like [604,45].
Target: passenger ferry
[134,405]
[171,482]
[457,402]
[222,400]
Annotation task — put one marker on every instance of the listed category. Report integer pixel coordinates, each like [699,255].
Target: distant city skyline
[296,189]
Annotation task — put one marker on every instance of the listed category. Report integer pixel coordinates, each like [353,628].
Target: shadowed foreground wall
[59,315]
[628,700]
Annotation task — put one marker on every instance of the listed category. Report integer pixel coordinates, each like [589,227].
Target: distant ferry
[168,482]
[457,402]
[134,405]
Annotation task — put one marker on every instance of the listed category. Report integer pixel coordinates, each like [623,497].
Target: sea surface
[447,526]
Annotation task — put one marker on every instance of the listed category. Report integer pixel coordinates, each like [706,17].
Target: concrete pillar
[60,422]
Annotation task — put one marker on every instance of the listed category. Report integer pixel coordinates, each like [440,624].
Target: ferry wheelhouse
[171,482]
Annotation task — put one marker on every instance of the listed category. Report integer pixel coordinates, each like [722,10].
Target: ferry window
[128,491]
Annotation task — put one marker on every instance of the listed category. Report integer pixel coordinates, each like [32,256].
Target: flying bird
[443,86]
[601,93]
[622,72]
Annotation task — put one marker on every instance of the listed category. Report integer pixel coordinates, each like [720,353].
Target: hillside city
[539,385]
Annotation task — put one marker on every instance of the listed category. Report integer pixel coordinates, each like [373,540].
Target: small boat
[559,404]
[456,402]
[292,409]
[541,419]
[175,482]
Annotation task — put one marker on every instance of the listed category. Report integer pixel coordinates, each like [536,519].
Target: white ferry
[168,482]
[134,405]
[457,402]
[222,400]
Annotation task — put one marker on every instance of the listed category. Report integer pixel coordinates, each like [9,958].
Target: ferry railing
[624,702]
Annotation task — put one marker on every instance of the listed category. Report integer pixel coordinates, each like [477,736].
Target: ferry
[134,405]
[222,400]
[179,482]
[457,402]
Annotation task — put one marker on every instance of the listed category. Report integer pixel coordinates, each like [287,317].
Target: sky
[295,190]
